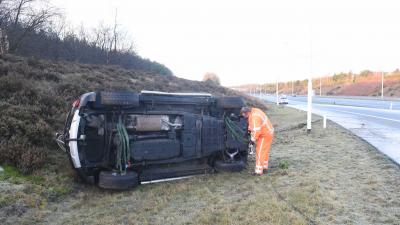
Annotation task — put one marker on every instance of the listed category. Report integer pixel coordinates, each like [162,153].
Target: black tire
[115,181]
[118,98]
[230,102]
[235,166]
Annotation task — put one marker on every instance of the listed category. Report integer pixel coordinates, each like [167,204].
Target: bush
[24,156]
[35,96]
[284,165]
[212,78]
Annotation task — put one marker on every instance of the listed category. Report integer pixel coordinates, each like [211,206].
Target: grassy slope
[327,177]
[35,96]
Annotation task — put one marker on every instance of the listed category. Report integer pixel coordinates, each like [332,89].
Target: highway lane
[352,101]
[379,127]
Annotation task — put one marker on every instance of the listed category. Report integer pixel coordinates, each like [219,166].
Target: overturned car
[122,139]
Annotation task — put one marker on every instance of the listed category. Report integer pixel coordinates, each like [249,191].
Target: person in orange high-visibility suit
[262,134]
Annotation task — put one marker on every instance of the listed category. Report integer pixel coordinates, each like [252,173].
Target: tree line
[35,28]
[332,80]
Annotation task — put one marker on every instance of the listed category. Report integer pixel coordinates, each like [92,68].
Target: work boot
[265,171]
[256,174]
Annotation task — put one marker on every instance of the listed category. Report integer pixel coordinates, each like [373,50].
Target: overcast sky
[254,41]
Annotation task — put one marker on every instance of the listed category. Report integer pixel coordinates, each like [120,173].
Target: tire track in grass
[292,206]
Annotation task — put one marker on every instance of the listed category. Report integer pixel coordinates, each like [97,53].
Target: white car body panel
[73,134]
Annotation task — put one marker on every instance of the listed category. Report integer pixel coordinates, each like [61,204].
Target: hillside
[35,96]
[367,83]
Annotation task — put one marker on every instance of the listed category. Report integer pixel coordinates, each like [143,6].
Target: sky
[253,41]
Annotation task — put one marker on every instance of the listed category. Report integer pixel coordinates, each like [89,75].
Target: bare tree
[5,12]
[115,33]
[21,5]
[33,21]
[59,26]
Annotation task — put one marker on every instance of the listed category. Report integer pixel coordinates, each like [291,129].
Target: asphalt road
[352,101]
[369,119]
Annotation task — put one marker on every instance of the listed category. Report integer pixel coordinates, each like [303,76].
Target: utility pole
[320,86]
[292,87]
[309,91]
[309,104]
[382,86]
[277,93]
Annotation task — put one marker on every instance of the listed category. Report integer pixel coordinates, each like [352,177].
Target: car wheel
[118,98]
[116,181]
[230,102]
[235,166]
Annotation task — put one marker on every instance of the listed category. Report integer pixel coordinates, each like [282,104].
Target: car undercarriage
[122,139]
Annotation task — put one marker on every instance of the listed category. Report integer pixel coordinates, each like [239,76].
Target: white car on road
[283,100]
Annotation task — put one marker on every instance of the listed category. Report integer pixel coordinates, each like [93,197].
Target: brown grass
[35,96]
[327,177]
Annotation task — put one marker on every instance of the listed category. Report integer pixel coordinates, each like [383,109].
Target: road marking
[362,107]
[354,113]
[361,114]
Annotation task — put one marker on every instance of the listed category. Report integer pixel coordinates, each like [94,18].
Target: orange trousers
[263,145]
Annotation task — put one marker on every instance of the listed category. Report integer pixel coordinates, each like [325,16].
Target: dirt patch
[327,177]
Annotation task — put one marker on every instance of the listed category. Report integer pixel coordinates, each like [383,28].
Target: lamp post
[382,85]
[320,86]
[292,87]
[309,103]
[309,90]
[277,93]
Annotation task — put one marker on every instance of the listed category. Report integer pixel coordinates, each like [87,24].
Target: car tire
[236,166]
[116,181]
[230,102]
[117,98]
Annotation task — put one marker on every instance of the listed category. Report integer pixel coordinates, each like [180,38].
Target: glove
[251,149]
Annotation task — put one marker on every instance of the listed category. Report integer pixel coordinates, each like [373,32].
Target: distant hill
[366,83]
[35,96]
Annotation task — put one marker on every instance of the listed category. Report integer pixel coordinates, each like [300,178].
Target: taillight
[76,103]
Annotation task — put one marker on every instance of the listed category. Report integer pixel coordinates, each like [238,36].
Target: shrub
[284,165]
[212,78]
[35,96]
[24,156]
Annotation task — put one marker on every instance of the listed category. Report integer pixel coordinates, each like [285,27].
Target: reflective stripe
[259,167]
[270,128]
[259,153]
[258,171]
[265,165]
[265,119]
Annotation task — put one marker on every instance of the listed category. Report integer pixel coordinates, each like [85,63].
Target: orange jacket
[259,124]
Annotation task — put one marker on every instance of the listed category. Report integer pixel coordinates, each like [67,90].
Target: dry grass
[35,96]
[327,177]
